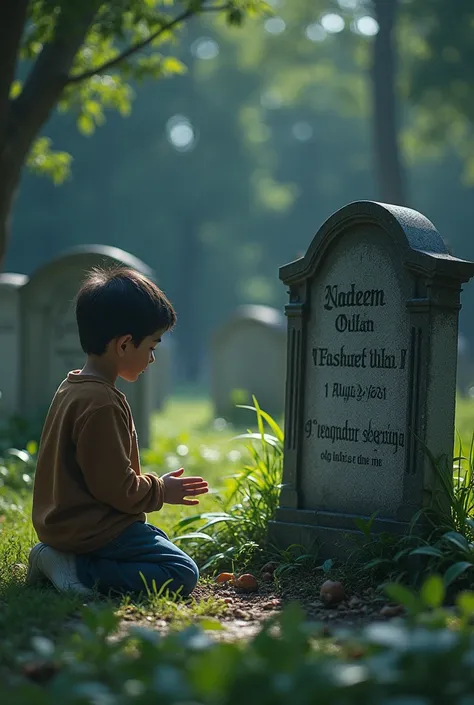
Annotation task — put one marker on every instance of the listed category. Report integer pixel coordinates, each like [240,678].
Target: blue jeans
[141,548]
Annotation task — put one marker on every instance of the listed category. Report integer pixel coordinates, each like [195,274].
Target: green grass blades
[248,501]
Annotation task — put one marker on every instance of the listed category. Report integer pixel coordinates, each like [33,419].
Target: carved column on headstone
[431,314]
[294,394]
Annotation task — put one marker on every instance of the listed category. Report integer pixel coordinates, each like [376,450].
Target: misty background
[222,174]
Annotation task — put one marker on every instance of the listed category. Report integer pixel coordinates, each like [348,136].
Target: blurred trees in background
[225,172]
[57,53]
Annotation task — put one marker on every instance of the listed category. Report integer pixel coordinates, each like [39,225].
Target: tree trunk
[5,219]
[388,163]
[13,16]
[23,117]
[10,169]
[189,329]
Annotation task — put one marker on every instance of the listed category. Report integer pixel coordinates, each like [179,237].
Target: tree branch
[48,77]
[12,22]
[144,43]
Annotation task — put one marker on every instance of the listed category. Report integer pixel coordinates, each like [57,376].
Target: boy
[90,497]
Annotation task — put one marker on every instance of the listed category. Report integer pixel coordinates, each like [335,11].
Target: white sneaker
[58,567]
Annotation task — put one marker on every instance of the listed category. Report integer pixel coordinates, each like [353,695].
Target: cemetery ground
[375,646]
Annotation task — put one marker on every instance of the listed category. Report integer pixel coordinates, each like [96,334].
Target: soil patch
[245,613]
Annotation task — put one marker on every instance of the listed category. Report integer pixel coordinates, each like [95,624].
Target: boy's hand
[177,487]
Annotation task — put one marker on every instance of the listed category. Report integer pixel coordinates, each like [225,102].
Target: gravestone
[10,346]
[50,342]
[371,377]
[248,357]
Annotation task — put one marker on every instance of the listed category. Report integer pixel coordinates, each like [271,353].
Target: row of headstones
[40,344]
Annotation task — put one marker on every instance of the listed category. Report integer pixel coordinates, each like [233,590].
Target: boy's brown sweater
[88,484]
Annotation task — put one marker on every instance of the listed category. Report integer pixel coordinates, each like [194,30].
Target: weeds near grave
[447,548]
[384,557]
[171,608]
[248,501]
[458,486]
[297,557]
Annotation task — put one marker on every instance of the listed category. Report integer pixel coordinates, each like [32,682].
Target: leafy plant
[443,544]
[248,502]
[296,557]
[427,660]
[457,484]
[430,596]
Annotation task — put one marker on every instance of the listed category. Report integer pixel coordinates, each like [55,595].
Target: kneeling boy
[90,497]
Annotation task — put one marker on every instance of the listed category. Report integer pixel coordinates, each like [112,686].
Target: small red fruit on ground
[224,578]
[247,582]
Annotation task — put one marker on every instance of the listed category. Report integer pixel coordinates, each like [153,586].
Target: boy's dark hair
[119,301]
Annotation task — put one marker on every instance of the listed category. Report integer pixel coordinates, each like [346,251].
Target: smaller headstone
[50,342]
[10,346]
[248,357]
[371,380]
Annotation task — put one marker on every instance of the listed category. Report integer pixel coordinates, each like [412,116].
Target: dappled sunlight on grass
[180,414]
[464,424]
[169,608]
[184,435]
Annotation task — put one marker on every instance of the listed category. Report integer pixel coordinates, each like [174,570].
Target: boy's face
[132,361]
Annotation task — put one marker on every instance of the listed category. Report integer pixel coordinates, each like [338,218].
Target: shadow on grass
[28,612]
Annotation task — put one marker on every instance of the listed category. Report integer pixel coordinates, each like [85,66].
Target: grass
[24,612]
[236,533]
[465,421]
[177,613]
[184,434]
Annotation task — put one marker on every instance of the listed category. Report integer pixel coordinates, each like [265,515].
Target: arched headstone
[50,342]
[249,357]
[371,378]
